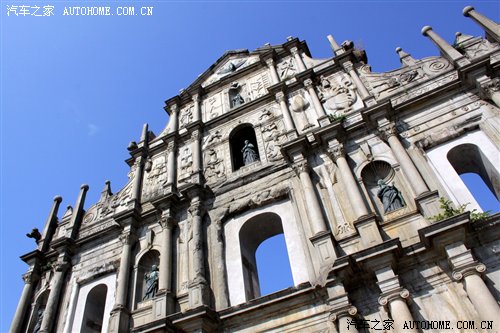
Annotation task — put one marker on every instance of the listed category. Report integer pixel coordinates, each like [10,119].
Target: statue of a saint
[237,100]
[39,319]
[151,283]
[390,196]
[249,154]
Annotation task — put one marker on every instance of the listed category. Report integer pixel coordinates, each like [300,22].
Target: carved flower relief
[286,68]
[338,97]
[214,168]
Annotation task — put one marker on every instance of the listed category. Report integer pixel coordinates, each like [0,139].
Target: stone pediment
[228,65]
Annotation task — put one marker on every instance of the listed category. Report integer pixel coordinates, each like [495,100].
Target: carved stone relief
[300,105]
[286,68]
[185,236]
[186,115]
[230,67]
[214,166]
[258,85]
[213,106]
[186,164]
[338,94]
[212,138]
[236,95]
[473,47]
[154,179]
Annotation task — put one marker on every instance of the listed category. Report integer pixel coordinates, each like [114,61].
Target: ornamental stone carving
[286,68]
[338,98]
[214,169]
[186,116]
[186,164]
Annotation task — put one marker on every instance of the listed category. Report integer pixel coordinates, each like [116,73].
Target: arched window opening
[273,265]
[147,276]
[468,158]
[93,314]
[244,149]
[253,233]
[480,192]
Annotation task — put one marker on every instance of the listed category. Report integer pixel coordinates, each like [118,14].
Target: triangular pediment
[230,63]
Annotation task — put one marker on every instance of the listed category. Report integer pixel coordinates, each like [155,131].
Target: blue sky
[75,90]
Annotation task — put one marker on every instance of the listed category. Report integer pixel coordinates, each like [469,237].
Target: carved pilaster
[274,74]
[388,131]
[298,59]
[280,98]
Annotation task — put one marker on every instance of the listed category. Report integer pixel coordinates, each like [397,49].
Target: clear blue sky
[75,90]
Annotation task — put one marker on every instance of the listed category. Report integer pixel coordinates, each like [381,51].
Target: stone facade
[348,164]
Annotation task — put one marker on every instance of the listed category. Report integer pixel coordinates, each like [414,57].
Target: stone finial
[144,134]
[289,38]
[106,191]
[405,58]
[490,27]
[447,51]
[334,45]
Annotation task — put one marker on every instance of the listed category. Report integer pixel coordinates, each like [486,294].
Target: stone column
[469,271]
[337,50]
[56,283]
[313,206]
[120,314]
[389,133]
[280,98]
[197,157]
[488,25]
[314,96]
[363,92]
[197,108]
[337,153]
[174,118]
[343,319]
[394,297]
[274,74]
[490,89]
[50,225]
[298,59]
[198,285]
[222,294]
[398,308]
[17,323]
[448,51]
[165,280]
[171,164]
[137,185]
[71,306]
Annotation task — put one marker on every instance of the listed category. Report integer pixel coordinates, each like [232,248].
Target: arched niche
[144,267]
[38,312]
[93,314]
[385,189]
[237,143]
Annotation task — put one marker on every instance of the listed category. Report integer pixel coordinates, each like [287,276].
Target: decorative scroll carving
[476,268]
[388,297]
[336,151]
[258,86]
[214,106]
